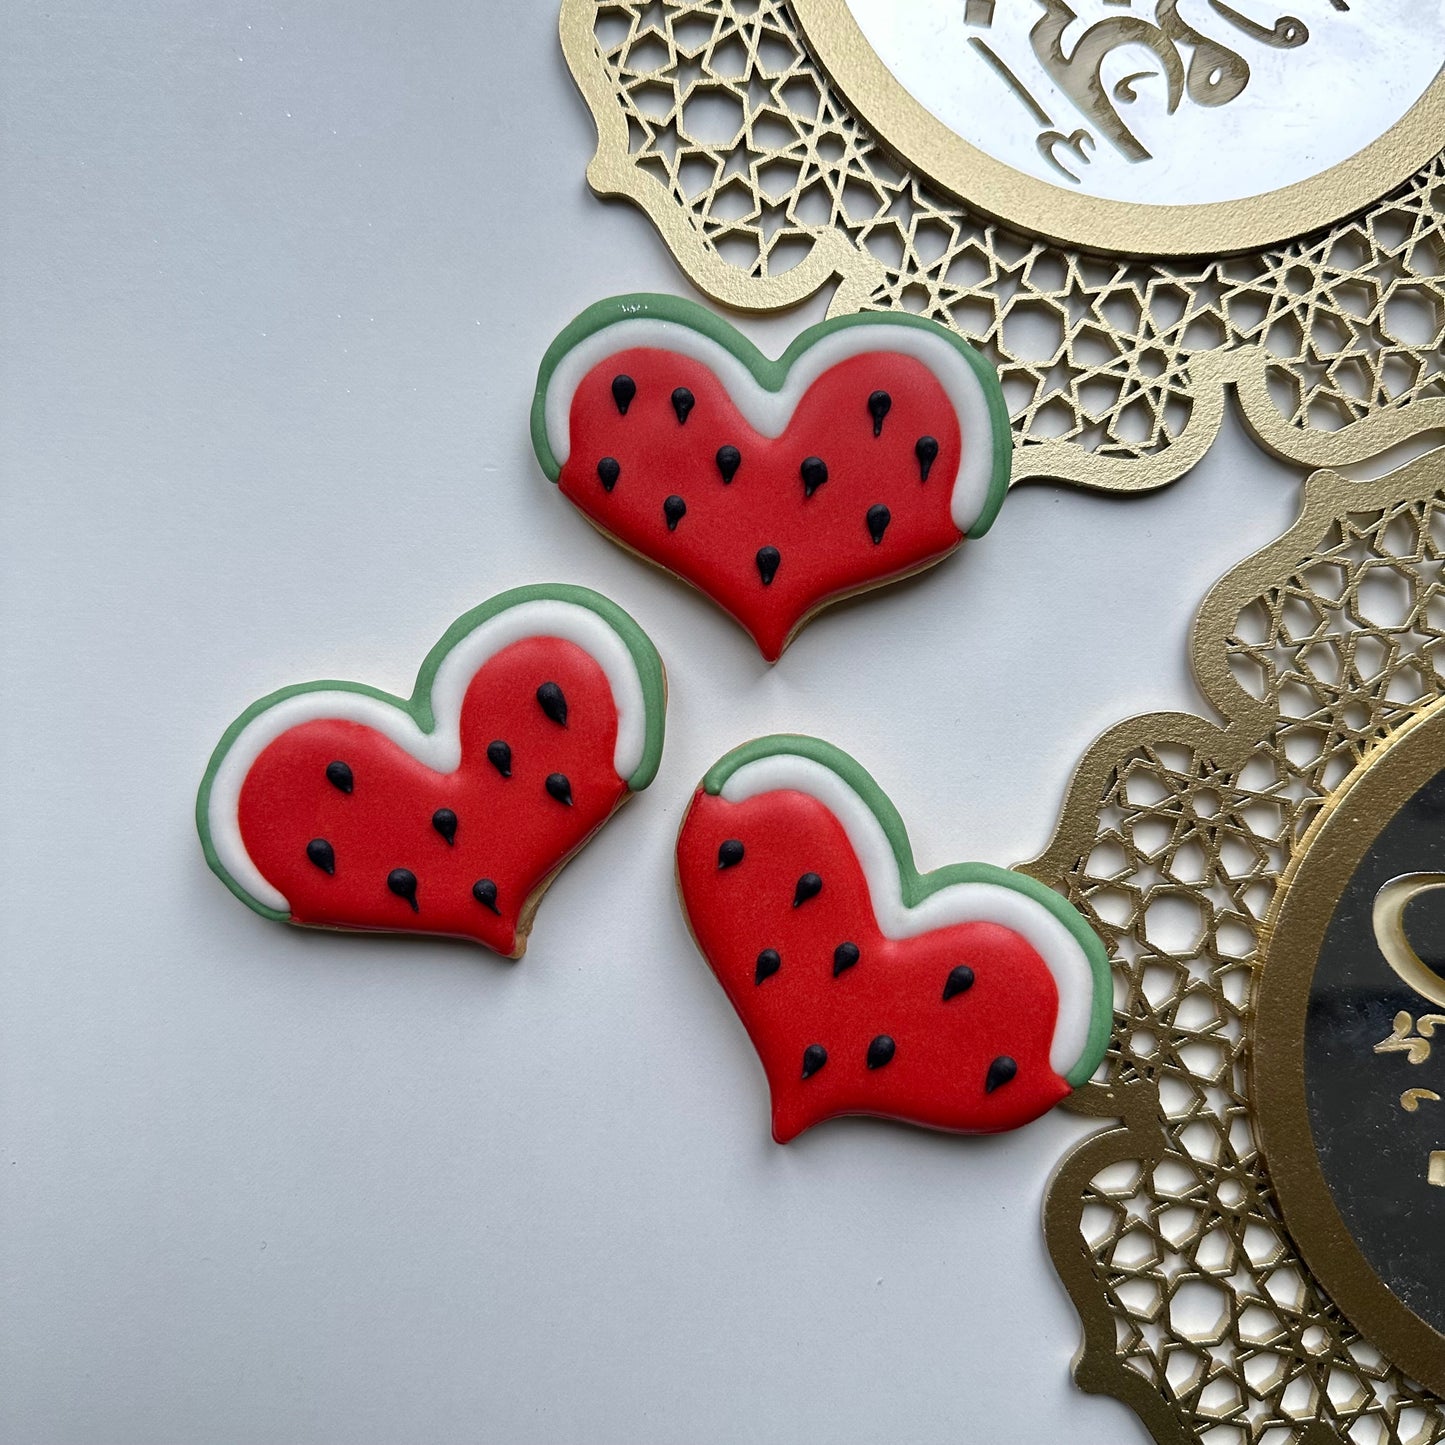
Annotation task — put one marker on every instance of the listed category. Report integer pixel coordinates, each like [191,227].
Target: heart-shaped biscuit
[533,719]
[969,999]
[866,453]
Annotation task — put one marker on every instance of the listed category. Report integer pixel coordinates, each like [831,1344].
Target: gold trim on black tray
[1327,857]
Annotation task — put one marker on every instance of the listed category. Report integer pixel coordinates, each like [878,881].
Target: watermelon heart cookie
[970,999]
[533,719]
[867,452]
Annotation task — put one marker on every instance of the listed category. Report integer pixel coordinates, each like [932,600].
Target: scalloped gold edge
[611,172]
[1247,722]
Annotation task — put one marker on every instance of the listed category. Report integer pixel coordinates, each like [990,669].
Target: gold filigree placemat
[1197,1309]
[716,120]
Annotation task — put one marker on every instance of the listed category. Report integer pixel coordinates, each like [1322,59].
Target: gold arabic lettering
[1213,76]
[1285,34]
[1414,1039]
[1050,140]
[1406,1040]
[1388,920]
[1077,73]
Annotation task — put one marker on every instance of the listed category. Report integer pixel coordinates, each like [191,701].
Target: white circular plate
[1159,126]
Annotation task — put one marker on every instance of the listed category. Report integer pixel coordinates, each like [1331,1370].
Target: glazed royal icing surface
[439,749]
[769,412]
[957,903]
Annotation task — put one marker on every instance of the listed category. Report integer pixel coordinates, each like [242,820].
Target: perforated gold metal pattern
[1197,1310]
[715,120]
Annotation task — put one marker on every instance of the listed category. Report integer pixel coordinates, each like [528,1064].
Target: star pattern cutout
[739,134]
[1175,859]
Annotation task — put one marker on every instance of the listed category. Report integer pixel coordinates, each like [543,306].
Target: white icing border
[768,412]
[958,903]
[440,749]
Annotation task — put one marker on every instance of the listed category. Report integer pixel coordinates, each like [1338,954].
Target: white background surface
[275,282]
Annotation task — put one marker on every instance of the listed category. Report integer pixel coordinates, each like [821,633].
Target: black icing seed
[623,390]
[768,964]
[814,1057]
[844,957]
[809,886]
[485,892]
[960,980]
[878,519]
[814,473]
[322,854]
[730,854]
[445,822]
[729,459]
[926,450]
[402,882]
[553,701]
[560,788]
[339,776]
[879,405]
[683,402]
[881,1051]
[499,755]
[674,509]
[608,471]
[1000,1072]
[767,560]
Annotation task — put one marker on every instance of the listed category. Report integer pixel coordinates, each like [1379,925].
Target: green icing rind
[917,886]
[419,707]
[769,374]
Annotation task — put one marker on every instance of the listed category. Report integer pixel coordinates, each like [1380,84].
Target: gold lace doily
[713,117]
[1197,1310]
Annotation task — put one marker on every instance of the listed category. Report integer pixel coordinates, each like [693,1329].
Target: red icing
[943,1049]
[509,829]
[824,542]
